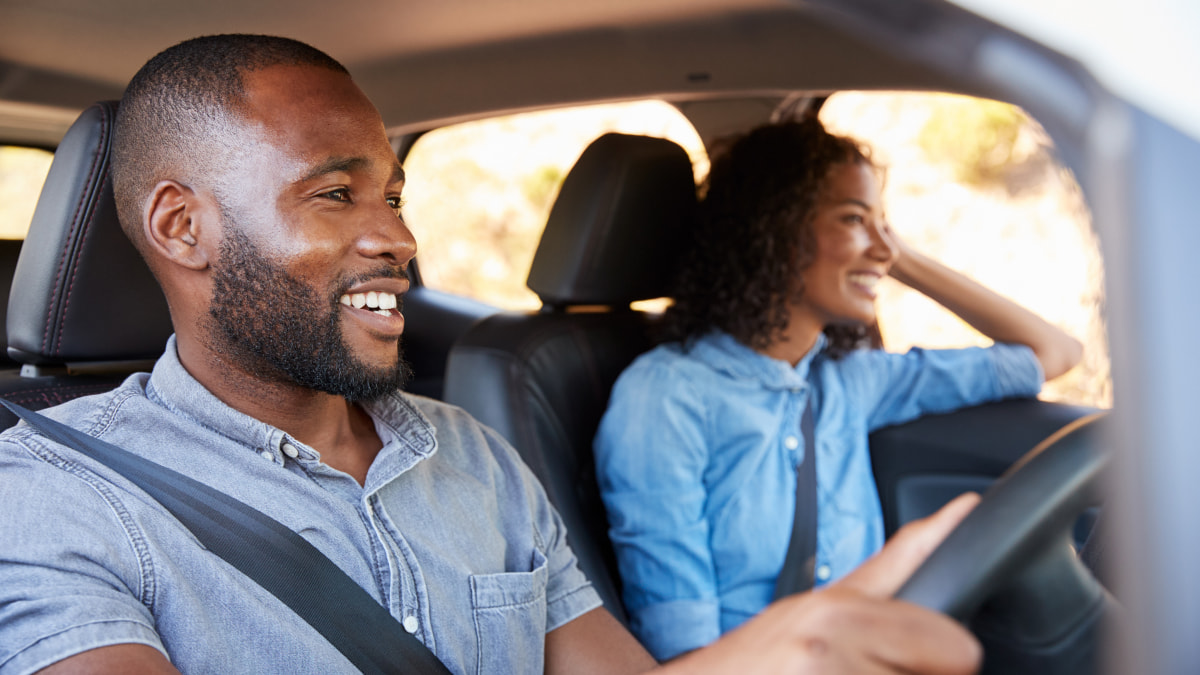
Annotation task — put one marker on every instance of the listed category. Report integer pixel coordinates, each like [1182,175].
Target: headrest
[81,292]
[617,227]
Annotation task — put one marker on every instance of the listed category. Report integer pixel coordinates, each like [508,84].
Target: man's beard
[278,328]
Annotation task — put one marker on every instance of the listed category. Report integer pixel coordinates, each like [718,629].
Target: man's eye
[340,195]
[396,203]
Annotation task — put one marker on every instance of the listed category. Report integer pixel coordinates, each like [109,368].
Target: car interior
[84,311]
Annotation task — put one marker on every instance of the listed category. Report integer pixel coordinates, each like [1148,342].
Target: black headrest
[617,227]
[81,292]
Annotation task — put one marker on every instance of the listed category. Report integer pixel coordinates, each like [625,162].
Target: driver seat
[84,310]
[542,379]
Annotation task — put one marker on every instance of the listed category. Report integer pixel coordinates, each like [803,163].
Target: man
[256,180]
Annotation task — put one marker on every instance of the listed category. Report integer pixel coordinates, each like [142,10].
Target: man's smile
[382,302]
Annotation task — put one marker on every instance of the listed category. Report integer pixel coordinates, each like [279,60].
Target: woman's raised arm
[988,312]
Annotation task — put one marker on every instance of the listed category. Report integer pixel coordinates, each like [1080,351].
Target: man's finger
[883,574]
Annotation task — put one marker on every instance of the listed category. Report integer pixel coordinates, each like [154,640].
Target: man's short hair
[178,117]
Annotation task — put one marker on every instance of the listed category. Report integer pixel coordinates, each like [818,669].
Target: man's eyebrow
[346,165]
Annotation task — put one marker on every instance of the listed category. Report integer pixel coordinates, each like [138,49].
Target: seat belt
[267,552]
[798,566]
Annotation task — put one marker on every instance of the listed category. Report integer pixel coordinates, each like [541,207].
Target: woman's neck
[797,339]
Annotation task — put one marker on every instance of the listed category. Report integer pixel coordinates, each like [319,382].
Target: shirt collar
[407,434]
[725,354]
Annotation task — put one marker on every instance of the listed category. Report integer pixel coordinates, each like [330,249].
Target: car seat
[542,379]
[84,310]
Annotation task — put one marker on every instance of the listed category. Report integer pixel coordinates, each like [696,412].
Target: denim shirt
[696,460]
[451,533]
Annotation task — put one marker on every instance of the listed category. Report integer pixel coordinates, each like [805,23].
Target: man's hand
[853,626]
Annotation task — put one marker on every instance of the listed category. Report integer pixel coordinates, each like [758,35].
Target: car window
[478,193]
[975,184]
[22,172]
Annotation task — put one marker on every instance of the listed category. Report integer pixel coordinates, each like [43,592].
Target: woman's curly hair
[755,236]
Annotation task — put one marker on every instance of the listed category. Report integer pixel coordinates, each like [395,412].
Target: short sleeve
[651,452]
[569,594]
[897,388]
[72,576]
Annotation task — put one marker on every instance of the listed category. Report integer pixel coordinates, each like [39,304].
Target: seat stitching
[87,223]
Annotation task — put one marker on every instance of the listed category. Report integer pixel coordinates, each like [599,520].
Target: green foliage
[977,137]
[540,186]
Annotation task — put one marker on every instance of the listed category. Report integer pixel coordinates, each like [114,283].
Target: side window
[22,172]
[478,193]
[975,184]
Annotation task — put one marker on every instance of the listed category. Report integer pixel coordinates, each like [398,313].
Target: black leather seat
[10,250]
[543,379]
[84,310]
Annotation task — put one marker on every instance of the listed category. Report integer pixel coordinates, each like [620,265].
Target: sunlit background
[971,182]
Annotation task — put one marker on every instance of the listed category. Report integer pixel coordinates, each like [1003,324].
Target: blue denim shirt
[696,460]
[451,533]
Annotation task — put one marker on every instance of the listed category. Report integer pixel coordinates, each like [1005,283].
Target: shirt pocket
[509,610]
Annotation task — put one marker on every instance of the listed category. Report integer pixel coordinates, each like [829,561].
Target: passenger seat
[542,379]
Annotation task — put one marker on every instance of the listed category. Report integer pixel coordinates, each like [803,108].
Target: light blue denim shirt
[696,460]
[451,533]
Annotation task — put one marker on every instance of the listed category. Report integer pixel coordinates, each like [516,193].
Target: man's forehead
[318,114]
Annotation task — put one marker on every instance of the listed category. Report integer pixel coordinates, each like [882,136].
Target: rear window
[22,172]
[479,193]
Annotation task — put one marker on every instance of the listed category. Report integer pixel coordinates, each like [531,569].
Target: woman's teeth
[381,302]
[869,281]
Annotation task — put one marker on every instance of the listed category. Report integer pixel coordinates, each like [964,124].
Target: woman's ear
[176,223]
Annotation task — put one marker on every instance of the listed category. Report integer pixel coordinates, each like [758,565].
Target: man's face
[314,252]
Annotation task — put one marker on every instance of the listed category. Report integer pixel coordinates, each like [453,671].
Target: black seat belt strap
[267,552]
[798,566]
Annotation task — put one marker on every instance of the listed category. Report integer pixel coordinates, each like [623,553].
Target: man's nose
[386,236]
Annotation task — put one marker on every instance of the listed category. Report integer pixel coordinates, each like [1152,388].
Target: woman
[697,453]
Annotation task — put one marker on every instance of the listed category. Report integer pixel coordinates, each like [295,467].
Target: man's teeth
[376,300]
[868,280]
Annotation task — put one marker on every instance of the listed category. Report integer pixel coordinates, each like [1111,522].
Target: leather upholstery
[82,300]
[81,293]
[620,215]
[10,249]
[543,379]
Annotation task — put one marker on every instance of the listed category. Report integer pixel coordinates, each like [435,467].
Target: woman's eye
[853,219]
[339,195]
[396,203]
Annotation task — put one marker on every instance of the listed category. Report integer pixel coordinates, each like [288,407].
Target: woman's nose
[883,243]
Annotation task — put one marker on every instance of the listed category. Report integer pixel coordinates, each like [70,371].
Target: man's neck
[341,431]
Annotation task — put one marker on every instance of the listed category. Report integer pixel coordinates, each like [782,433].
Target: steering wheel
[1009,570]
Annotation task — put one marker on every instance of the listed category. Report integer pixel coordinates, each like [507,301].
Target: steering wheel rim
[1009,564]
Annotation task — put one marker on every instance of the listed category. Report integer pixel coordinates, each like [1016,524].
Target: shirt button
[823,573]
[290,450]
[266,454]
[791,442]
[410,624]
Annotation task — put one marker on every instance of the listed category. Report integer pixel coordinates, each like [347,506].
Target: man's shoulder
[87,413]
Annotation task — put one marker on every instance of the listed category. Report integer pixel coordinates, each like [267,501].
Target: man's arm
[130,659]
[595,643]
[852,626]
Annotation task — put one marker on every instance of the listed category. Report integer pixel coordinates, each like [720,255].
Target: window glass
[975,184]
[22,172]
[478,193]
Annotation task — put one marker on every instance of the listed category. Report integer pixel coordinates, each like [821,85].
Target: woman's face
[854,248]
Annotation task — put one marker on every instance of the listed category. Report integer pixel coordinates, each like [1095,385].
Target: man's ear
[180,225]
